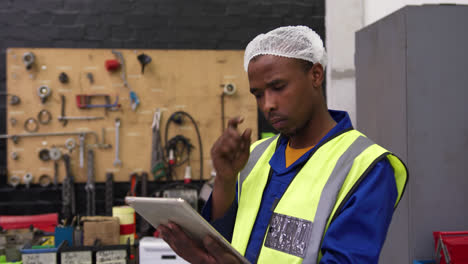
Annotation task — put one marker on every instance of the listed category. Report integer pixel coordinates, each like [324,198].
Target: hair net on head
[299,42]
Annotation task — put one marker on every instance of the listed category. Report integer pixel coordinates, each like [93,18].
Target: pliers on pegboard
[134,181]
[138,181]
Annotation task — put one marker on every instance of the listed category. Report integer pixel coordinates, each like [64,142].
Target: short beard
[295,131]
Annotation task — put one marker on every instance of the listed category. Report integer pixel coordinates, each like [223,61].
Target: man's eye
[279,87]
[258,95]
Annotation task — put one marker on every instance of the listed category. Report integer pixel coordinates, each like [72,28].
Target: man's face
[285,93]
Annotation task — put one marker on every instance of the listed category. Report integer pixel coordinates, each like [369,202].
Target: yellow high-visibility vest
[303,214]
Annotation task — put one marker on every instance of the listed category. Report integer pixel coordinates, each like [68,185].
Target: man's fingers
[213,247]
[221,254]
[166,234]
[185,247]
[246,135]
[232,123]
[245,140]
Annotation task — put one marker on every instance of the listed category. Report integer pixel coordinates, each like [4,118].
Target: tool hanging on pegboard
[135,102]
[64,119]
[157,152]
[14,100]
[90,187]
[144,226]
[68,191]
[83,101]
[109,193]
[178,148]
[144,60]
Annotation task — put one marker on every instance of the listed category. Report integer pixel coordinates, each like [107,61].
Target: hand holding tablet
[164,211]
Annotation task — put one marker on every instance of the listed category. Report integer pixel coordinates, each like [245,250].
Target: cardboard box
[104,228]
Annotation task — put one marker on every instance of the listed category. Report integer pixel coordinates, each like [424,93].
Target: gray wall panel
[381,109]
[425,102]
[438,131]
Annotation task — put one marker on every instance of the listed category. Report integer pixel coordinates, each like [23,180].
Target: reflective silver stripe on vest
[255,154]
[330,194]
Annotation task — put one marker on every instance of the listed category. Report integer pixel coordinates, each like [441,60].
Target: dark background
[142,24]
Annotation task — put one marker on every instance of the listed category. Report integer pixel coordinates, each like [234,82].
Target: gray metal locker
[411,97]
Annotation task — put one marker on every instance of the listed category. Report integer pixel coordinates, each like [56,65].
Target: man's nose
[270,103]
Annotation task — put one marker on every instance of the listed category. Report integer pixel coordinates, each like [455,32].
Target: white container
[156,250]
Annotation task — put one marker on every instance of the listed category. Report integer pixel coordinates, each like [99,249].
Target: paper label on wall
[98,87]
[64,68]
[16,112]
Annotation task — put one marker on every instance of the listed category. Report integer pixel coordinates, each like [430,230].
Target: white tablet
[163,210]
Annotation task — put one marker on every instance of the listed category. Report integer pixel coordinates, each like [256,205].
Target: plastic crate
[451,247]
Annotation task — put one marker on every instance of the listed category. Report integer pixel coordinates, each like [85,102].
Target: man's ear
[317,74]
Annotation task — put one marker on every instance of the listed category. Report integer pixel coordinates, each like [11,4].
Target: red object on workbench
[45,222]
[112,65]
[454,243]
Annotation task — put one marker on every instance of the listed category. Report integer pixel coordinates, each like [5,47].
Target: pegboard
[175,80]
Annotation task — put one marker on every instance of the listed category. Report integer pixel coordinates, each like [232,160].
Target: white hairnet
[299,42]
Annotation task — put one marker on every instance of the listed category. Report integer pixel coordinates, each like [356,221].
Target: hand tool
[44,117]
[16,137]
[144,225]
[14,100]
[101,144]
[44,154]
[55,153]
[134,181]
[55,174]
[90,77]
[65,118]
[90,187]
[83,101]
[68,191]
[112,65]
[13,121]
[27,179]
[81,137]
[64,121]
[14,181]
[133,96]
[171,146]
[31,125]
[63,78]
[109,198]
[144,60]
[70,144]
[28,60]
[157,153]
[44,92]
[45,180]
[117,161]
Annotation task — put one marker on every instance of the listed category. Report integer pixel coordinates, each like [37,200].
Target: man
[320,192]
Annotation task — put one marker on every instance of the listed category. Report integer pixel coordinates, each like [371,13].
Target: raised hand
[231,151]
[229,154]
